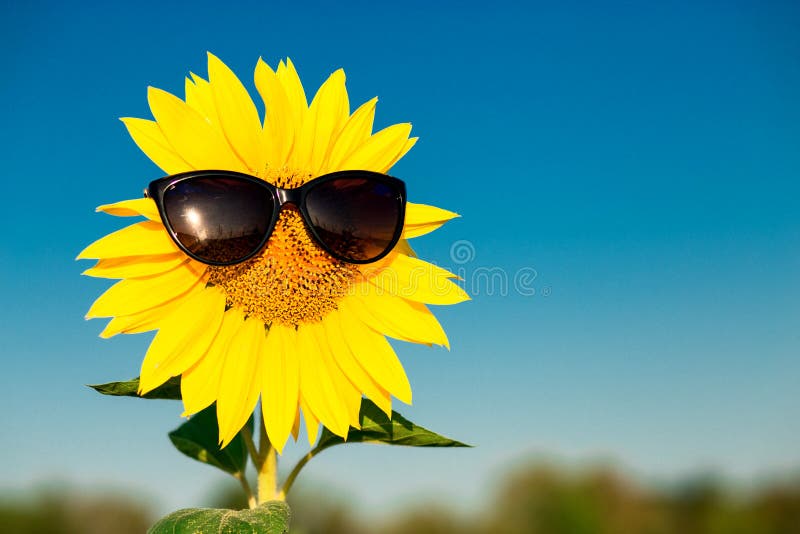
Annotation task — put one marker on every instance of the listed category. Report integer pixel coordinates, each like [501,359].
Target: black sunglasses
[226,217]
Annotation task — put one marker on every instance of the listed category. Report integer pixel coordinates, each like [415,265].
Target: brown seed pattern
[292,281]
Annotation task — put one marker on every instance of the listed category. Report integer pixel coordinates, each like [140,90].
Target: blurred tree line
[532,500]
[546,500]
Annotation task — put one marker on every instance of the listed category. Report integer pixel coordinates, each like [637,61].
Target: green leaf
[171,389]
[376,427]
[198,438]
[269,518]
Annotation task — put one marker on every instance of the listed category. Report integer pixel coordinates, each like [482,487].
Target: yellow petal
[188,88]
[132,208]
[404,247]
[403,151]
[200,383]
[293,88]
[355,132]
[422,219]
[136,266]
[199,98]
[374,354]
[147,320]
[379,151]
[133,324]
[201,144]
[394,315]
[326,116]
[147,238]
[317,386]
[279,123]
[240,382]
[139,294]
[418,280]
[350,395]
[296,425]
[362,313]
[183,338]
[237,114]
[416,230]
[311,421]
[417,214]
[150,139]
[280,384]
[350,366]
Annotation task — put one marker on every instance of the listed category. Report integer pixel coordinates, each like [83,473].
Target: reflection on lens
[356,218]
[220,219]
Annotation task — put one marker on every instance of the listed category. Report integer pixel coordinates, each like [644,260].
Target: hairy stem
[251,500]
[296,471]
[267,469]
[247,436]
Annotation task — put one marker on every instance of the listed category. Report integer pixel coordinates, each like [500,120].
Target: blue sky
[642,160]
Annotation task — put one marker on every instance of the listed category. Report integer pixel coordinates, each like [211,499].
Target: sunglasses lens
[356,218]
[219,219]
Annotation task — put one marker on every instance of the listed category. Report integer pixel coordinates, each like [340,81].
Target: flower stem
[296,471]
[267,469]
[247,436]
[251,500]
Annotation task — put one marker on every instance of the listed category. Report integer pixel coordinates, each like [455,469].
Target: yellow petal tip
[82,255]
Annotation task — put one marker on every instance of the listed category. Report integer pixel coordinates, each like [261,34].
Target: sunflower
[293,326]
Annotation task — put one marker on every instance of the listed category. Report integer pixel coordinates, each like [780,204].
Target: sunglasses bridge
[288,196]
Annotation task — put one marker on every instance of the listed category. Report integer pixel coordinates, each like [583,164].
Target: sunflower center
[292,281]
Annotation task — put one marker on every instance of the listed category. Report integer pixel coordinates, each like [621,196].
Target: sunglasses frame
[281,197]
